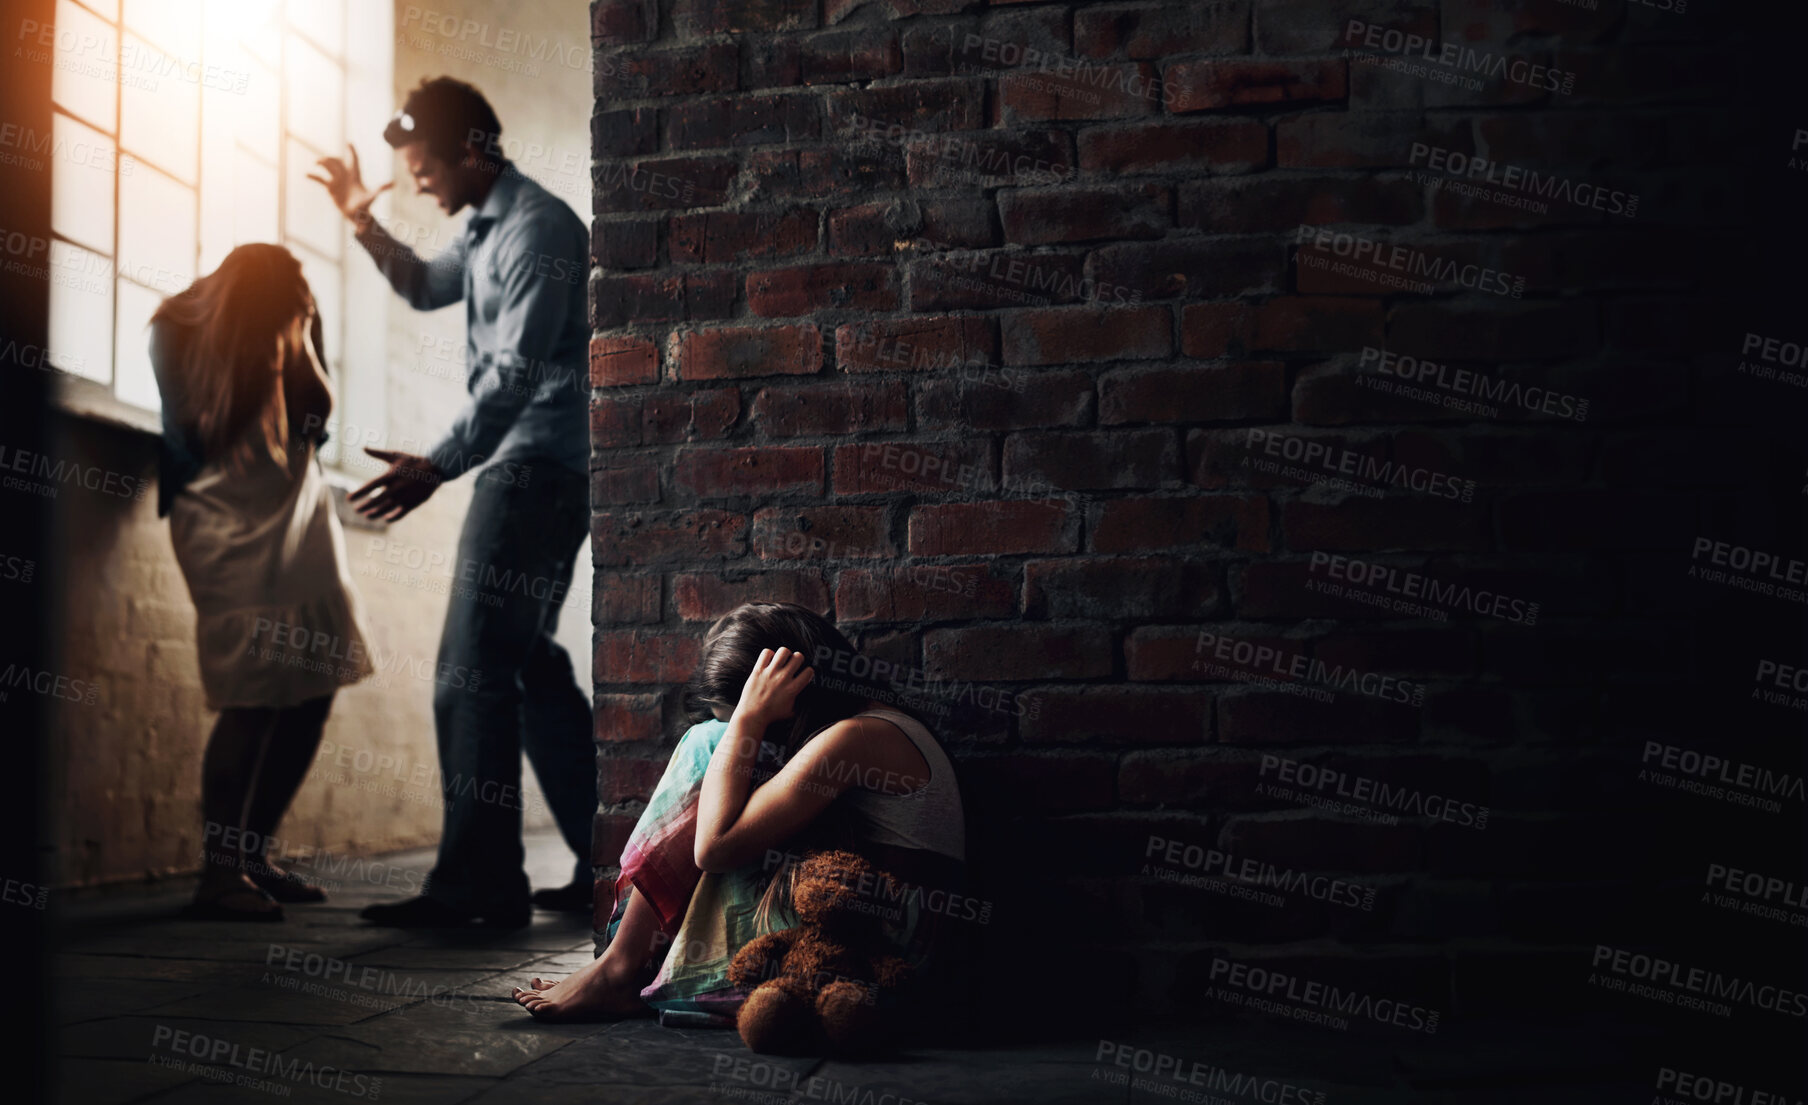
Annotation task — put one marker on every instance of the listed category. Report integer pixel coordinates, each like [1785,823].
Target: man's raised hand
[344,183]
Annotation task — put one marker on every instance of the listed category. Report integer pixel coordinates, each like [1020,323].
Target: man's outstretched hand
[345,184]
[408,482]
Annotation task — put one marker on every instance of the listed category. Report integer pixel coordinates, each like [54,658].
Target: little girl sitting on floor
[788,764]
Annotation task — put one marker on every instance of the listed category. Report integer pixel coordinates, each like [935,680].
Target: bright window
[187,127]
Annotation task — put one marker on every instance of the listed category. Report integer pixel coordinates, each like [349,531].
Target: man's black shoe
[426,913]
[579,897]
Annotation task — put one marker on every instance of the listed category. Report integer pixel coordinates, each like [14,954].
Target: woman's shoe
[284,886]
[219,907]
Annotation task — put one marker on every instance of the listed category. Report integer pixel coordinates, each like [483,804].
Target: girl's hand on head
[773,686]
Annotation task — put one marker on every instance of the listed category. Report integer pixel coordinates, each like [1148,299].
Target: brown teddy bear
[816,988]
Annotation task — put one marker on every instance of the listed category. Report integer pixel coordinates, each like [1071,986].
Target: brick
[869,230]
[622,244]
[884,228]
[1089,92]
[1069,336]
[917,593]
[989,159]
[609,835]
[822,532]
[992,529]
[1328,395]
[702,18]
[1211,330]
[862,54]
[1017,652]
[1322,26]
[1362,140]
[614,422]
[1241,205]
[621,362]
[1160,654]
[618,22]
[1126,715]
[1330,266]
[626,778]
[997,278]
[1101,590]
[713,67]
[704,597]
[1357,523]
[625,599]
[646,656]
[950,467]
[803,289]
[1008,42]
[1243,457]
[746,352]
[731,473]
[660,297]
[715,237]
[1440,652]
[1087,461]
[1152,31]
[916,344]
[661,183]
[1189,268]
[786,176]
[915,106]
[631,482]
[1299,324]
[627,132]
[621,538]
[1263,718]
[1208,780]
[725,121]
[627,718]
[1148,524]
[1203,145]
[994,400]
[844,407]
[1194,393]
[1043,216]
[1290,589]
[1190,86]
[928,48]
[1249,654]
[667,417]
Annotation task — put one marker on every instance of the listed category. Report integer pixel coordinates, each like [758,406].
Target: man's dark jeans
[504,682]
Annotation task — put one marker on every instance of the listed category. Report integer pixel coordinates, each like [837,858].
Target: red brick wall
[999,358]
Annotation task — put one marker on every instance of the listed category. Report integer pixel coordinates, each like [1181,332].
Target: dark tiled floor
[323,1008]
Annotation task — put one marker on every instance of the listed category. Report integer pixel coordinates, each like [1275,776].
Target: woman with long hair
[786,757]
[278,626]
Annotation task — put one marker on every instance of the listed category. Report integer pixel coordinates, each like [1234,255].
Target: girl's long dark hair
[245,318]
[733,646]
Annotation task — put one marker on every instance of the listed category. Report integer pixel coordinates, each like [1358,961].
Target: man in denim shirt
[520,267]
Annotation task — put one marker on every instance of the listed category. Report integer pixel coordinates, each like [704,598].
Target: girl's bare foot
[597,991]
